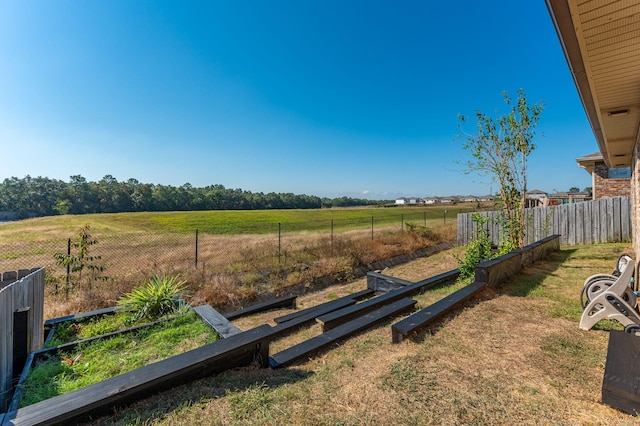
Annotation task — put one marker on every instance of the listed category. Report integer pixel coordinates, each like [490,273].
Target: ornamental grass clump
[158,297]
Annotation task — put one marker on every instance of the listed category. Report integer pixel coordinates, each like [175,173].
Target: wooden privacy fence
[21,327]
[588,222]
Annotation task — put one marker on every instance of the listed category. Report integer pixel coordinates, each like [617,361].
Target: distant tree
[588,189]
[500,149]
[574,189]
[43,196]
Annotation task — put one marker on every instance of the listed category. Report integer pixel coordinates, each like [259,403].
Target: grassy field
[513,356]
[228,269]
[230,222]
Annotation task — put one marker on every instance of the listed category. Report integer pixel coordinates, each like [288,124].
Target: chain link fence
[283,253]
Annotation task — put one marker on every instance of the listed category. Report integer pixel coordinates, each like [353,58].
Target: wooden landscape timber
[487,274]
[378,282]
[216,321]
[315,344]
[84,315]
[332,305]
[243,348]
[424,317]
[236,351]
[494,271]
[340,316]
[281,302]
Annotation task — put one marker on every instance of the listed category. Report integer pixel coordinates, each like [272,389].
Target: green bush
[159,296]
[478,249]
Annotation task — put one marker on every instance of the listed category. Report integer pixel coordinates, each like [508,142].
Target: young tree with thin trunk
[500,149]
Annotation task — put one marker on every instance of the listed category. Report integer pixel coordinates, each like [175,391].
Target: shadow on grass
[524,284]
[197,393]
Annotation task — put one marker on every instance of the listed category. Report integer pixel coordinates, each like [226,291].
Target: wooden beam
[311,346]
[379,282]
[99,398]
[281,302]
[217,321]
[428,315]
[99,312]
[338,303]
[343,315]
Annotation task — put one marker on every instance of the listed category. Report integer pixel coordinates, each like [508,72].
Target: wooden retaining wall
[588,222]
[22,300]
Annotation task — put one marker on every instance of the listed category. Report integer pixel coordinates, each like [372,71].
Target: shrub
[157,297]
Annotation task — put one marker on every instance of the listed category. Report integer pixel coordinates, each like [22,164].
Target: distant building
[468,198]
[449,200]
[404,201]
[568,197]
[486,198]
[536,198]
[401,201]
[431,200]
[606,181]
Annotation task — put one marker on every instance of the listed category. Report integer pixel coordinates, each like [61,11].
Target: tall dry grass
[231,270]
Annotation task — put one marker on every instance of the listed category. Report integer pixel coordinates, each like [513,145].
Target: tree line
[42,196]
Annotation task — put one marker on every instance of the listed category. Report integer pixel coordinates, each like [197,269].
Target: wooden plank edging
[311,346]
[281,302]
[433,312]
[216,321]
[235,351]
[340,316]
[340,303]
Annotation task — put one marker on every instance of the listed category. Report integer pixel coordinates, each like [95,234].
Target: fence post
[196,249]
[66,287]
[331,237]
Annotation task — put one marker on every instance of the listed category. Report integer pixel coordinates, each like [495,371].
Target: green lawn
[231,222]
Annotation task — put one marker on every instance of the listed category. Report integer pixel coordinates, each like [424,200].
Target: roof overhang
[588,162]
[601,40]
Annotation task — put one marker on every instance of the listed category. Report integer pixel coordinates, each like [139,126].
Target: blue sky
[327,98]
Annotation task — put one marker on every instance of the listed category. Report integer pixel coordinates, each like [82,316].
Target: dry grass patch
[231,270]
[514,357]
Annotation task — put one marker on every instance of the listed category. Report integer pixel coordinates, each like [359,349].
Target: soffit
[601,40]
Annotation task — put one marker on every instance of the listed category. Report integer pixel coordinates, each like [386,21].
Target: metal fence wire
[139,255]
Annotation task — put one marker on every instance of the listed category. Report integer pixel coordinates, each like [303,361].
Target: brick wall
[604,187]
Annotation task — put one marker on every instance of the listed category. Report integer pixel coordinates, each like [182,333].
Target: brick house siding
[604,187]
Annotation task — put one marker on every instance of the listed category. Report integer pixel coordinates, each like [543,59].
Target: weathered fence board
[588,222]
[27,295]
